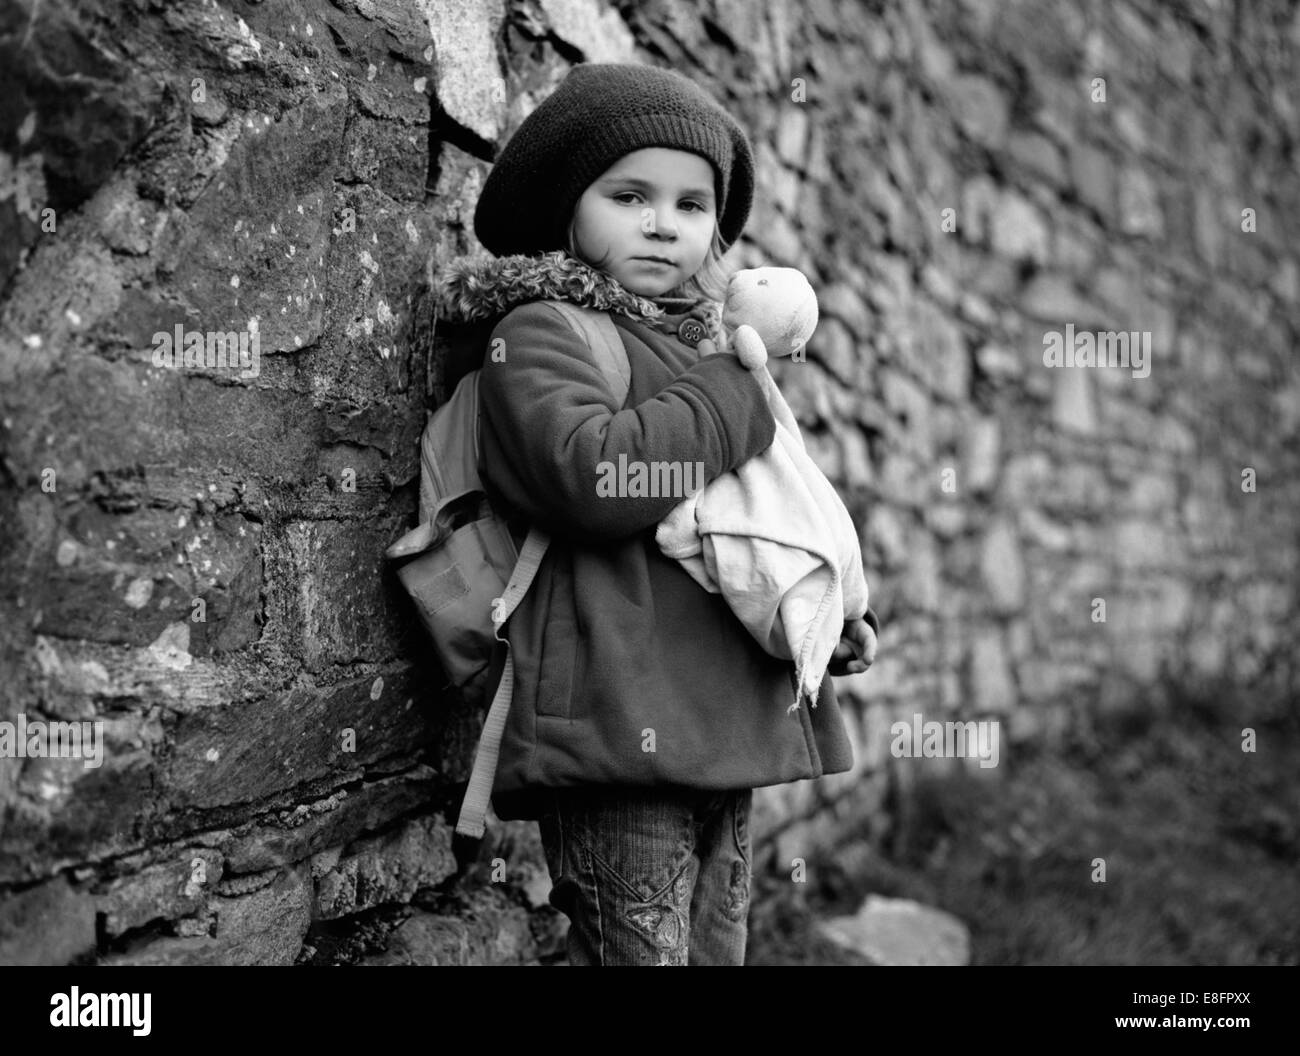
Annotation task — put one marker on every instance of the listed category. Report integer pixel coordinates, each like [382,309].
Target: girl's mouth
[655,261]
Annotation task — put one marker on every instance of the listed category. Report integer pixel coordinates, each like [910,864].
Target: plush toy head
[778,303]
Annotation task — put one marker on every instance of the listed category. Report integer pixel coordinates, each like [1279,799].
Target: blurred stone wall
[192,556]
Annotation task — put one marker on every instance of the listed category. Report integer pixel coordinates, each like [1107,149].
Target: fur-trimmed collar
[473,288]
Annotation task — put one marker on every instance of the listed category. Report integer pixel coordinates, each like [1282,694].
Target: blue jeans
[653,876]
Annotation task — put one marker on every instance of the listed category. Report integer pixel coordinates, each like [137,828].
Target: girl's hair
[710,281]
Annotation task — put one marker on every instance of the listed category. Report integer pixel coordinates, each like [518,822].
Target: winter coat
[627,671]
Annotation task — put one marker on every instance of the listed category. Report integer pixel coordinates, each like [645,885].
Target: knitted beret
[600,112]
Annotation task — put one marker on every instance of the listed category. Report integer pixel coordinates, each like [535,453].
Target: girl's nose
[665,223]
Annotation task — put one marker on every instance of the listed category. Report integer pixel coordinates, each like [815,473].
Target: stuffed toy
[778,305]
[772,536]
[768,312]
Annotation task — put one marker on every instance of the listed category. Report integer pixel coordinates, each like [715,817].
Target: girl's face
[654,202]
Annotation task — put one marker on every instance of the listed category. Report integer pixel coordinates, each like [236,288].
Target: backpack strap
[597,329]
[473,808]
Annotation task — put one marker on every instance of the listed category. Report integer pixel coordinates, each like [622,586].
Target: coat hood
[475,288]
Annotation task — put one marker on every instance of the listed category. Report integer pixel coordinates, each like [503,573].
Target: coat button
[692,331]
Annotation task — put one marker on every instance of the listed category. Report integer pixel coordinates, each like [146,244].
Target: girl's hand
[856,651]
[709,347]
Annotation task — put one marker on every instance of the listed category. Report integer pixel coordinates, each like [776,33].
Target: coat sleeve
[548,421]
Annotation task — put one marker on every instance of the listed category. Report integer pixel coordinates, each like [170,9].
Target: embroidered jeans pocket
[637,871]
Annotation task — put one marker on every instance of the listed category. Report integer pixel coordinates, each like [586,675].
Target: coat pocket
[560,642]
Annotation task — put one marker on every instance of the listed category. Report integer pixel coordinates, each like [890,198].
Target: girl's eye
[633,195]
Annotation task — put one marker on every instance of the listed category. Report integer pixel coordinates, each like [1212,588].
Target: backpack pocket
[451,579]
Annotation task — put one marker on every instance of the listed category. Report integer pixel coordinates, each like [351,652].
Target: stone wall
[193,556]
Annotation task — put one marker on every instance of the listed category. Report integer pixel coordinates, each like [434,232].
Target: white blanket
[776,541]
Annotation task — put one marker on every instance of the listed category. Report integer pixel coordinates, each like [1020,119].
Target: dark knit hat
[600,112]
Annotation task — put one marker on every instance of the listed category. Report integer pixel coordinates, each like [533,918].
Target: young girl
[644,713]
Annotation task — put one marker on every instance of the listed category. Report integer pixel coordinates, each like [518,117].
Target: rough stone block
[346,602]
[1139,543]
[833,345]
[1139,204]
[1135,640]
[979,202]
[264,927]
[807,389]
[805,839]
[467,78]
[1073,405]
[385,868]
[980,108]
[389,157]
[1018,231]
[124,578]
[243,752]
[256,259]
[911,405]
[512,853]
[992,688]
[487,931]
[1002,569]
[792,135]
[336,820]
[49,924]
[127,415]
[947,521]
[1054,299]
[1039,155]
[598,32]
[1093,172]
[72,814]
[894,931]
[940,352]
[1212,224]
[921,578]
[1044,531]
[841,301]
[78,109]
[179,886]
[856,467]
[981,443]
[779,237]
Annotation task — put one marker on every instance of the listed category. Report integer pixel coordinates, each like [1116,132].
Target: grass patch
[1201,843]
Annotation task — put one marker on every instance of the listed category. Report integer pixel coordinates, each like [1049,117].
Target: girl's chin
[646,287]
[646,279]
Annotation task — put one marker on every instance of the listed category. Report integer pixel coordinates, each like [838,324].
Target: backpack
[460,565]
